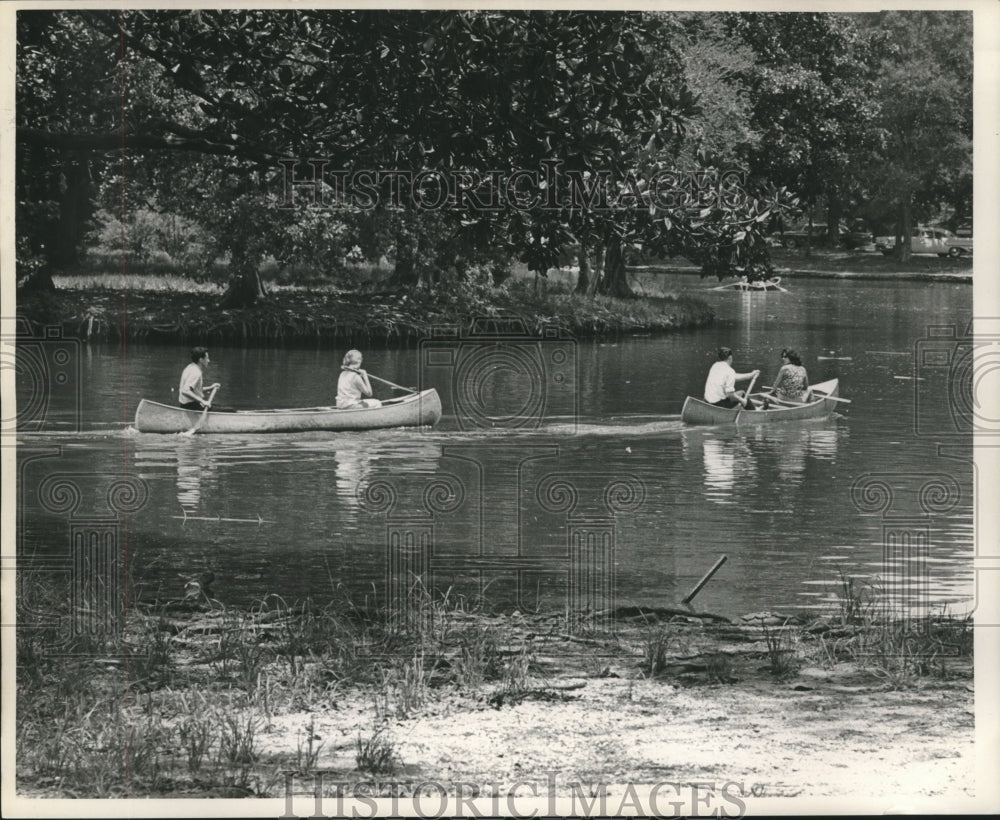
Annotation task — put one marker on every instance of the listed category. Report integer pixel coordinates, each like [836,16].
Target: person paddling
[190,394]
[720,386]
[354,390]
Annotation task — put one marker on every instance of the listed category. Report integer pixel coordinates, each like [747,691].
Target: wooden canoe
[697,411]
[417,410]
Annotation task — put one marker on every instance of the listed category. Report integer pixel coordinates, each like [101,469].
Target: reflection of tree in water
[353,469]
[194,461]
[733,463]
[790,452]
[792,444]
[823,443]
[726,460]
[403,463]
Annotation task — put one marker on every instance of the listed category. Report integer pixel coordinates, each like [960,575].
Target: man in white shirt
[189,394]
[720,386]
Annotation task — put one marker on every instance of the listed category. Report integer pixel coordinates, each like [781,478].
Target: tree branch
[116,141]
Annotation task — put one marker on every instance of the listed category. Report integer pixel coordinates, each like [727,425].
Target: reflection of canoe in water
[419,409]
[774,283]
[697,411]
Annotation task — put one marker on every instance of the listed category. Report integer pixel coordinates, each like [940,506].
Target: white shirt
[721,381]
[350,389]
[190,388]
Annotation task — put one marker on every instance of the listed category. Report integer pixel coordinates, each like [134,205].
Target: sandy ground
[714,730]
[823,733]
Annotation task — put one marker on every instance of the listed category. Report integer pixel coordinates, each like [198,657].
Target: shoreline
[323,317]
[209,701]
[289,317]
[956,276]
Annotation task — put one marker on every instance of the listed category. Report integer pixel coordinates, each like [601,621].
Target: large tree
[237,92]
[925,115]
[813,86]
[412,90]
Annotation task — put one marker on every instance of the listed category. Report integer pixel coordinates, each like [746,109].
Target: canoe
[416,410]
[696,411]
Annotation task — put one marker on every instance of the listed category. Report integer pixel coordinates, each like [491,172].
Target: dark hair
[792,356]
[198,353]
[724,353]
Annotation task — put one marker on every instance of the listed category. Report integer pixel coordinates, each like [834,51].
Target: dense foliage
[129,120]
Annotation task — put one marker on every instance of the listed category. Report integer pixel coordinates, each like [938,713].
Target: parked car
[856,235]
[851,238]
[960,245]
[800,236]
[928,240]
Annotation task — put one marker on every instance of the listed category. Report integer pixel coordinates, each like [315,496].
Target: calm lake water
[603,492]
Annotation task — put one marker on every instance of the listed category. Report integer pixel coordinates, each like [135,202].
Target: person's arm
[366,385]
[731,393]
[736,396]
[779,380]
[359,379]
[741,396]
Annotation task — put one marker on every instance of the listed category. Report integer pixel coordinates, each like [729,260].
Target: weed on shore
[188,699]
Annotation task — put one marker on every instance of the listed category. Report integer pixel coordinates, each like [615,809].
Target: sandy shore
[654,706]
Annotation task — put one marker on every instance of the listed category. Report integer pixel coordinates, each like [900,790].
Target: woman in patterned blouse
[792,381]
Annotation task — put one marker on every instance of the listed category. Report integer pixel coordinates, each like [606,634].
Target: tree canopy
[198,113]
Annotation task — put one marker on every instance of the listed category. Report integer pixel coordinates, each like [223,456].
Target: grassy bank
[825,262]
[193,698]
[172,309]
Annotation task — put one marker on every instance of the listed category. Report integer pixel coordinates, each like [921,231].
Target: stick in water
[704,580]
[204,413]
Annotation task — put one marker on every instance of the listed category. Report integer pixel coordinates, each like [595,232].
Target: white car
[928,240]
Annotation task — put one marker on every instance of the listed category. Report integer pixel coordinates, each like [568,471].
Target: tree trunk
[584,277]
[244,290]
[905,226]
[834,212]
[245,287]
[405,273]
[615,280]
[38,280]
[597,270]
[74,209]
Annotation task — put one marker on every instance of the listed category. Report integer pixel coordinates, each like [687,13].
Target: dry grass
[162,283]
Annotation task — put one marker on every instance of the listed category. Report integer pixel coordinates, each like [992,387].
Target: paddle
[818,395]
[750,388]
[391,384]
[204,413]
